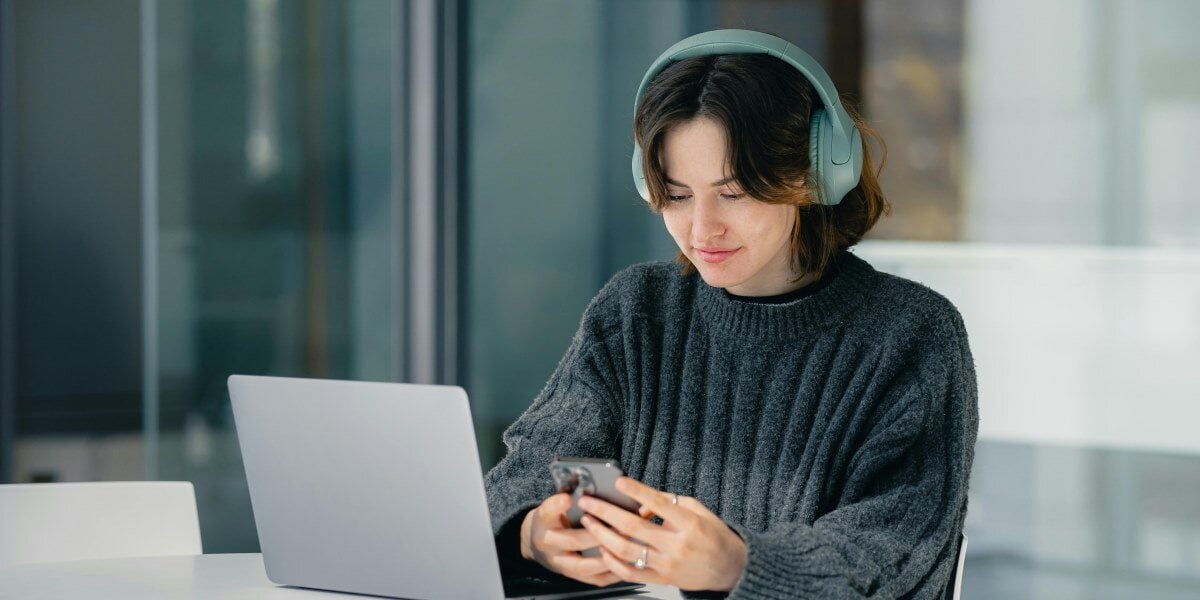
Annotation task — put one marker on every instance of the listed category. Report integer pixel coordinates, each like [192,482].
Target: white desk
[167,577]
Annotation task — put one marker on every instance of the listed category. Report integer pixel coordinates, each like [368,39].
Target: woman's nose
[707,220]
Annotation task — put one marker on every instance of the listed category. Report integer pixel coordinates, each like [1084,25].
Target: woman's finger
[656,501]
[626,572]
[696,506]
[567,540]
[552,512]
[553,509]
[614,542]
[608,578]
[624,521]
[576,566]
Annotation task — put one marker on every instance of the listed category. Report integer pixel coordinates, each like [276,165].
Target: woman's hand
[692,550]
[548,538]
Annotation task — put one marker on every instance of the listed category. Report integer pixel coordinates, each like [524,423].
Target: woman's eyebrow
[713,184]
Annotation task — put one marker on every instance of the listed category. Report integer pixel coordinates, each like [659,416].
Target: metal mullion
[422,191]
[149,166]
[399,193]
[427,239]
[1123,217]
[8,244]
[451,72]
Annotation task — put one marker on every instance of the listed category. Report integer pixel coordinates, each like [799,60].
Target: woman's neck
[790,285]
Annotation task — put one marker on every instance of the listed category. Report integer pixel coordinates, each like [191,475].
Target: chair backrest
[954,587]
[52,522]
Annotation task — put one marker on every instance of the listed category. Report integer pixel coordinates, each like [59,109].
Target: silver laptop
[373,488]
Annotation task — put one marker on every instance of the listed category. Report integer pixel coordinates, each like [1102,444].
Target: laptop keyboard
[535,586]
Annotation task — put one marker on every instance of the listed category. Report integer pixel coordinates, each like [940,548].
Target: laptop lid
[371,488]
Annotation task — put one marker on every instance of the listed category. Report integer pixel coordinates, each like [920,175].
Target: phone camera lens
[585,481]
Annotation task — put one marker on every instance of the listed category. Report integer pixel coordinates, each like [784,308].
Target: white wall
[1080,345]
[1082,122]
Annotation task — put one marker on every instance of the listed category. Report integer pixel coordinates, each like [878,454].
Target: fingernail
[586,520]
[584,503]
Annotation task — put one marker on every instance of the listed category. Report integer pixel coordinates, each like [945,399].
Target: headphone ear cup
[639,179]
[834,180]
[817,133]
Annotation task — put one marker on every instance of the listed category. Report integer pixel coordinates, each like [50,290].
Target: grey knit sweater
[834,434]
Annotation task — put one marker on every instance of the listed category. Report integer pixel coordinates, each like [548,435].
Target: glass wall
[70,303]
[245,212]
[1081,129]
[275,235]
[198,189]
[195,189]
[551,210]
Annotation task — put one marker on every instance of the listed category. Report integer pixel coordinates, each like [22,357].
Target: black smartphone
[594,477]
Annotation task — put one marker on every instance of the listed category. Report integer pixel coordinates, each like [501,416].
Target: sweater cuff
[795,563]
[765,575]
[754,565]
[508,549]
[508,540]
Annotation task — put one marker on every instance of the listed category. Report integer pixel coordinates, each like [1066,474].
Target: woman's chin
[718,278]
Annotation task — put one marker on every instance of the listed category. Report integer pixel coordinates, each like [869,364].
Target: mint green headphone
[835,145]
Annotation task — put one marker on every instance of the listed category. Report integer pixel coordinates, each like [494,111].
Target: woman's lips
[709,256]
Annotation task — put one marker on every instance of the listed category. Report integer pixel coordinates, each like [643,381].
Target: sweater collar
[753,321]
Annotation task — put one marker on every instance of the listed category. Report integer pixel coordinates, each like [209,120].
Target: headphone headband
[837,145]
[744,41]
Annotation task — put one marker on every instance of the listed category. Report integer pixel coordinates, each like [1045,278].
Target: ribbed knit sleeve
[568,418]
[895,528]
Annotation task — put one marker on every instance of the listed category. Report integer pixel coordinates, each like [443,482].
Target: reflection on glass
[262,145]
[551,209]
[1064,523]
[1079,128]
[275,226]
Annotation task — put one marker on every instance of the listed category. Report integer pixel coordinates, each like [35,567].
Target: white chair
[53,522]
[954,587]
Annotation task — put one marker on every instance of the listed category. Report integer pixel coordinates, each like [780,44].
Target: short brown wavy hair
[765,107]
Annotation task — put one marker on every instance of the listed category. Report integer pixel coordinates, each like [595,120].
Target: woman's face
[736,242]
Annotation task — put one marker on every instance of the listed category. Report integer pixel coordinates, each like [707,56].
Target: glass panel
[71,168]
[551,209]
[276,219]
[912,78]
[1082,122]
[1051,522]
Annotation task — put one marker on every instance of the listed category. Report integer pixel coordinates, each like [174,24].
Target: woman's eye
[677,198]
[731,196]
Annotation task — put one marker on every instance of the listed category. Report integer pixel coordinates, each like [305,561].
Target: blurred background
[433,191]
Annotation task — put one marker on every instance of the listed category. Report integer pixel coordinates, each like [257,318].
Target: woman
[799,424]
